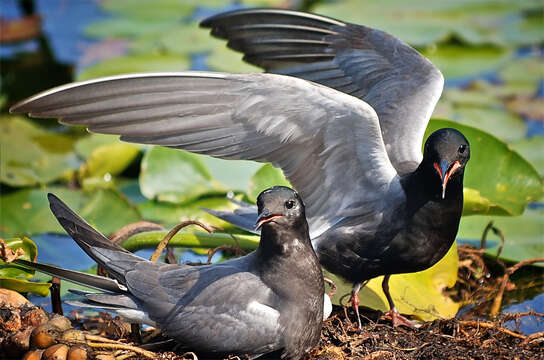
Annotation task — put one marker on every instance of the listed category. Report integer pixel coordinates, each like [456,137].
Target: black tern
[270,300]
[344,118]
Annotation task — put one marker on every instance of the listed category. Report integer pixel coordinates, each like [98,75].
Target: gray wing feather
[399,83]
[90,280]
[327,143]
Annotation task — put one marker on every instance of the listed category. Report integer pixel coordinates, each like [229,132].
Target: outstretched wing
[399,83]
[327,143]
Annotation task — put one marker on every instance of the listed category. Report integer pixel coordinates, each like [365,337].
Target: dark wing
[399,83]
[327,143]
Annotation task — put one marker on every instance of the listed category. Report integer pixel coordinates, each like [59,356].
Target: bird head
[447,151]
[279,206]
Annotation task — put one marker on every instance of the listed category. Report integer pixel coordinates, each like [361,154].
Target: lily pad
[156,10]
[526,71]
[15,277]
[119,27]
[523,234]
[31,155]
[175,176]
[421,22]
[225,59]
[169,214]
[30,254]
[25,286]
[531,149]
[108,211]
[234,174]
[136,63]
[456,61]
[109,159]
[495,172]
[180,39]
[27,211]
[420,294]
[267,176]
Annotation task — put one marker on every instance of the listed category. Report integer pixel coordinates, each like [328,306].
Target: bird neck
[287,254]
[424,185]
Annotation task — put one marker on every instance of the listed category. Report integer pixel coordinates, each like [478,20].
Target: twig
[134,228]
[331,283]
[158,251]
[410,349]
[484,234]
[534,337]
[127,231]
[119,346]
[8,255]
[487,325]
[496,305]
[192,354]
[56,302]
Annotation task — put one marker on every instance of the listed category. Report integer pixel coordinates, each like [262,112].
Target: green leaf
[109,159]
[25,286]
[151,10]
[108,211]
[168,214]
[495,172]
[267,176]
[31,155]
[225,59]
[419,294]
[524,71]
[421,22]
[30,254]
[175,176]
[191,240]
[523,234]
[127,28]
[531,149]
[492,175]
[234,174]
[85,146]
[180,39]
[136,63]
[27,211]
[461,61]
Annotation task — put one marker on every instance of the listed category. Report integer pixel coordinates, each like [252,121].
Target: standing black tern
[269,300]
[344,118]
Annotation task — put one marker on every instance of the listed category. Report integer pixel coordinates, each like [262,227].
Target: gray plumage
[344,118]
[269,300]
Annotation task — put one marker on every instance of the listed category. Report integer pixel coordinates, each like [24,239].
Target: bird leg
[396,318]
[355,302]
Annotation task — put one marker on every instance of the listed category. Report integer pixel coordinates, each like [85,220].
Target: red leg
[396,318]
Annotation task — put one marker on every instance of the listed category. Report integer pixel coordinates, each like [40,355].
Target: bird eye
[462,149]
[289,204]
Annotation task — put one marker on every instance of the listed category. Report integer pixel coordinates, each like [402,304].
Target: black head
[447,151]
[279,206]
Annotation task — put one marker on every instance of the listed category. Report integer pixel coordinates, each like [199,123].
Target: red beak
[265,217]
[445,172]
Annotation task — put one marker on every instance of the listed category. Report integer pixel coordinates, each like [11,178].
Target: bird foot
[355,304]
[398,320]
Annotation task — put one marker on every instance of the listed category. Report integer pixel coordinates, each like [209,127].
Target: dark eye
[289,204]
[462,149]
